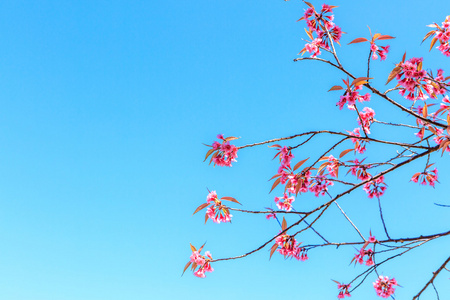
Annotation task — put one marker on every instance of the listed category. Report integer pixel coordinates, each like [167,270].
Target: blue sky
[105,106]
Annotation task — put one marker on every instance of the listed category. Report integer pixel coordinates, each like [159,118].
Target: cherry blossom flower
[289,247]
[333,166]
[426,177]
[359,170]
[359,257]
[285,202]
[343,290]
[271,215]
[375,187]
[350,97]
[360,145]
[319,185]
[385,287]
[217,211]
[410,79]
[377,51]
[366,116]
[223,154]
[442,33]
[202,262]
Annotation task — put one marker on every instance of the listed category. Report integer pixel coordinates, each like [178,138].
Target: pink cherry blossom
[343,290]
[285,202]
[385,287]
[367,117]
[375,188]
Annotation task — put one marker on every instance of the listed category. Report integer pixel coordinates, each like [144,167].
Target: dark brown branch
[432,278]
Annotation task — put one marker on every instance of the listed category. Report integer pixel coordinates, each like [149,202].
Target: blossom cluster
[343,290]
[202,262]
[318,24]
[367,117]
[284,202]
[359,170]
[409,77]
[289,247]
[360,256]
[375,188]
[441,34]
[223,153]
[350,97]
[385,287]
[319,185]
[360,145]
[382,51]
[217,211]
[428,176]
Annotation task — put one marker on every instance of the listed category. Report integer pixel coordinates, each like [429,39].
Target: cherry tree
[335,171]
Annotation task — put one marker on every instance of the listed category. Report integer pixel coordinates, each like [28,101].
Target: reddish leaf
[385,37]
[343,153]
[309,34]
[231,199]
[275,184]
[231,138]
[359,81]
[283,224]
[394,73]
[375,36]
[428,35]
[209,153]
[200,208]
[300,163]
[309,4]
[433,41]
[194,266]
[425,110]
[201,248]
[192,248]
[358,40]
[206,218]
[404,57]
[336,88]
[185,267]
[273,249]
[274,146]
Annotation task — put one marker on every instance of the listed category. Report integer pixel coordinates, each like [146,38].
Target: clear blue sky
[105,105]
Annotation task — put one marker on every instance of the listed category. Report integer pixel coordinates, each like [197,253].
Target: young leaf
[343,153]
[425,110]
[433,41]
[300,163]
[336,88]
[231,138]
[358,40]
[185,267]
[275,184]
[200,208]
[209,153]
[206,218]
[428,35]
[231,199]
[385,37]
[309,34]
[192,248]
[283,224]
[273,249]
[375,36]
[394,73]
[404,57]
[359,80]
